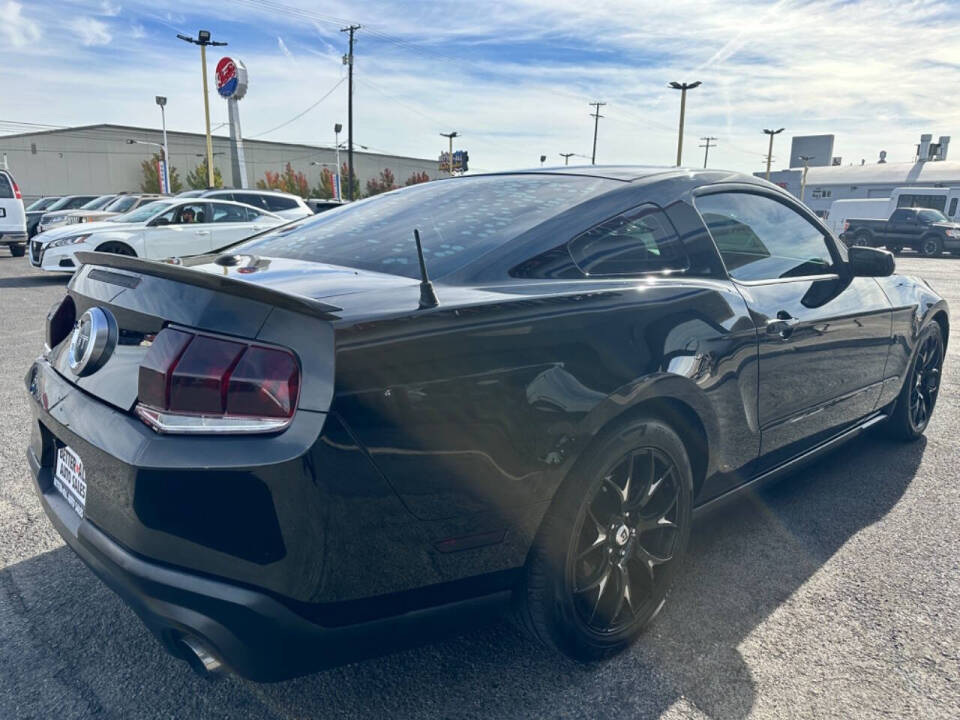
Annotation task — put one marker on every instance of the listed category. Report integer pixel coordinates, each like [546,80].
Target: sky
[514,79]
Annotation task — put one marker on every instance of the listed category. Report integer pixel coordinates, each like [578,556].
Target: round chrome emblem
[94,337]
[622,535]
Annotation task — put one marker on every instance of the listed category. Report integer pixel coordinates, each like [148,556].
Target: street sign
[461,158]
[231,78]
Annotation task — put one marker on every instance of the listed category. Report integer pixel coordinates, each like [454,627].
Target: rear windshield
[459,220]
[6,187]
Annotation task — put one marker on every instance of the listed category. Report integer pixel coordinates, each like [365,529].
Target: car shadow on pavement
[63,628]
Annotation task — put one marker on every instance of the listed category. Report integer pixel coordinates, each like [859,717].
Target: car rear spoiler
[212,281]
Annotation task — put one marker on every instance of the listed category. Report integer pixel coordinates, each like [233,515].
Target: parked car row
[924,230]
[146,225]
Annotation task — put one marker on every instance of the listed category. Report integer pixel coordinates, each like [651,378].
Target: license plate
[3,212]
[69,479]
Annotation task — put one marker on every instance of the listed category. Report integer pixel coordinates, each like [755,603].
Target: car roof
[256,191]
[635,173]
[195,200]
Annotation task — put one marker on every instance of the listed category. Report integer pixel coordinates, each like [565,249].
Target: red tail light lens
[194,383]
[16,190]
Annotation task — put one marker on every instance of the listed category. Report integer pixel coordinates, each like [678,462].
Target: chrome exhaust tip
[201,658]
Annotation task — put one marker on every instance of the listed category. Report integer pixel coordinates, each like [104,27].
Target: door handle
[782,324]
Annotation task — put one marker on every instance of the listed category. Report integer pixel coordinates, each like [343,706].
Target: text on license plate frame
[70,480]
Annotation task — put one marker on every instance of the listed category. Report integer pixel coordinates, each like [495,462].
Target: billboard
[819,148]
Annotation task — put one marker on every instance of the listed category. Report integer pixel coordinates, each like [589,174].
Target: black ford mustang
[283,454]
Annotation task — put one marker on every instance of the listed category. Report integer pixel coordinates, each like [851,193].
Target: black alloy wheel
[924,381]
[930,246]
[626,536]
[918,396]
[861,240]
[611,544]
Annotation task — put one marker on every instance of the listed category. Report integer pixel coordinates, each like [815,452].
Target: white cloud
[91,32]
[17,29]
[137,31]
[110,9]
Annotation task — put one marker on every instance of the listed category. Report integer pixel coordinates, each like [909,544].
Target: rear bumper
[253,634]
[13,238]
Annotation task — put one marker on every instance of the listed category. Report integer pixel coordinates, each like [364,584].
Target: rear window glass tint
[6,187]
[276,203]
[635,242]
[459,220]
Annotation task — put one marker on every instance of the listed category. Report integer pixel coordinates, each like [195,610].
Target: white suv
[13,221]
[291,207]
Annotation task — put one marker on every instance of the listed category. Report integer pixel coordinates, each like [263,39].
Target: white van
[944,199]
[13,221]
[843,210]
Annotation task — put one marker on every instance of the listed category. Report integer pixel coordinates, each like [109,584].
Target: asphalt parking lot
[834,593]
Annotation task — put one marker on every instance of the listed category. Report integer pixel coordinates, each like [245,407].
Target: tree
[290,181]
[198,180]
[151,176]
[384,183]
[325,188]
[416,178]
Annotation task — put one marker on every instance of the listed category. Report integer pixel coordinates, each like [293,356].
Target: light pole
[450,136]
[771,133]
[337,127]
[682,87]
[203,39]
[162,102]
[803,179]
[566,157]
[543,159]
[163,149]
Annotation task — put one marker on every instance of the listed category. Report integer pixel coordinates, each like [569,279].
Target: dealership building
[98,159]
[828,179]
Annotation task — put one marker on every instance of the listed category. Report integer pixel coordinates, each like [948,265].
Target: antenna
[428,297]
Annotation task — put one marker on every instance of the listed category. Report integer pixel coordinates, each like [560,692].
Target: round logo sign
[231,78]
[94,338]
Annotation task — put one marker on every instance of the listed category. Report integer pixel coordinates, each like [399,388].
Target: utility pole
[596,121]
[682,87]
[566,157]
[707,144]
[162,102]
[450,136]
[348,61]
[337,127]
[771,133]
[203,39]
[803,179]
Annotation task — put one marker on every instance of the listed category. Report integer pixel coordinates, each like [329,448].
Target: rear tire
[931,246]
[610,545]
[918,396]
[862,240]
[18,250]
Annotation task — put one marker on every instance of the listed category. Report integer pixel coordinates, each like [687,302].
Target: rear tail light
[195,383]
[16,190]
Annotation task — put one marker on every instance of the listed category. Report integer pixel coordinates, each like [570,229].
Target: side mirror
[158,221]
[870,262]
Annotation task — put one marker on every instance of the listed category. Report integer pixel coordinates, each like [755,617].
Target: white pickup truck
[13,221]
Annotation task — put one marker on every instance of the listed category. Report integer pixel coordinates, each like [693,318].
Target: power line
[300,114]
[596,123]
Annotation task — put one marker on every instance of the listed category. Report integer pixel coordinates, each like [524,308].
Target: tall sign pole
[165,180]
[203,39]
[348,61]
[232,85]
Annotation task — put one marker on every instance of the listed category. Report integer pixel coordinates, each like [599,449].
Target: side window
[6,187]
[953,207]
[252,215]
[223,213]
[251,199]
[635,242]
[276,203]
[192,214]
[760,238]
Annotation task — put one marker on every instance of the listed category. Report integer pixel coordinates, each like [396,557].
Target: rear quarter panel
[481,409]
